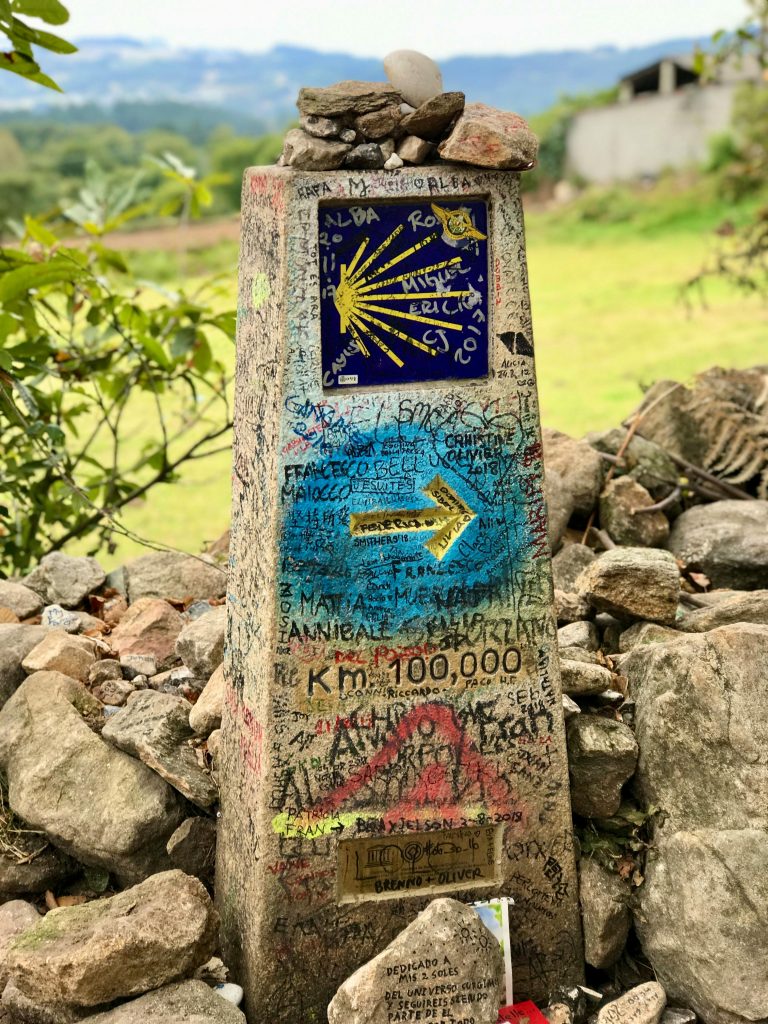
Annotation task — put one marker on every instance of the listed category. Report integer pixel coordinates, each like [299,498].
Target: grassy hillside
[606,276]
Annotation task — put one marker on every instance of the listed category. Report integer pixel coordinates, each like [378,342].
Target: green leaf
[203,357]
[16,282]
[22,64]
[40,38]
[155,351]
[39,232]
[183,341]
[50,11]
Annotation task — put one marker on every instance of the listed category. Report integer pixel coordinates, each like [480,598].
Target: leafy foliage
[107,384]
[619,843]
[22,36]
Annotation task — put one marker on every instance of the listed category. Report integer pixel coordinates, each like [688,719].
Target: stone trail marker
[393,726]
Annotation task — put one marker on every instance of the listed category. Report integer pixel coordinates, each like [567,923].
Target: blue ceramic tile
[404,292]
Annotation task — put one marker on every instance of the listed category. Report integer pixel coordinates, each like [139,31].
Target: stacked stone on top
[407,120]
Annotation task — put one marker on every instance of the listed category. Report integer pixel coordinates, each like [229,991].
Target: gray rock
[16,641]
[642,1005]
[40,866]
[486,137]
[702,725]
[16,917]
[214,743]
[643,460]
[559,501]
[605,913]
[579,634]
[154,933]
[114,692]
[750,606]
[201,643]
[448,934]
[348,135]
[306,153]
[622,514]
[387,147]
[579,654]
[94,802]
[188,1002]
[569,563]
[198,608]
[192,848]
[155,728]
[346,98]
[174,576]
[727,541]
[379,123]
[703,922]
[580,679]
[133,665]
[100,671]
[646,633]
[321,127]
[367,156]
[65,580]
[18,1008]
[205,715]
[415,76]
[56,617]
[678,1015]
[413,150]
[570,708]
[571,607]
[393,162]
[60,652]
[433,118]
[579,465]
[19,599]
[602,755]
[635,583]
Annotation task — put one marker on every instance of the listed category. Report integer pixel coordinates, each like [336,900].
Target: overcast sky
[440,28]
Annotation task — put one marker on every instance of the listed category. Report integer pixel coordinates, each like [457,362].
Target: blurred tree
[230,155]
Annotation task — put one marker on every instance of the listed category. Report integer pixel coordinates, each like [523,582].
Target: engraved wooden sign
[393,723]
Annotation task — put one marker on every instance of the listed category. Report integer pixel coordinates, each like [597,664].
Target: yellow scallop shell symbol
[458,227]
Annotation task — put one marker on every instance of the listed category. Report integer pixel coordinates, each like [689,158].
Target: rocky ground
[111,693]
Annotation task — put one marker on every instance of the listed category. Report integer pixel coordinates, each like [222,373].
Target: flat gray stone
[307,153]
[94,802]
[321,127]
[16,641]
[124,945]
[579,465]
[65,579]
[602,755]
[579,634]
[174,576]
[188,1002]
[727,541]
[580,679]
[433,118]
[641,1005]
[605,913]
[19,599]
[348,97]
[449,944]
[749,606]
[634,583]
[155,728]
[200,644]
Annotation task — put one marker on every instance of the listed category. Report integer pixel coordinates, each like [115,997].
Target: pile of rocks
[111,693]
[407,120]
[662,605]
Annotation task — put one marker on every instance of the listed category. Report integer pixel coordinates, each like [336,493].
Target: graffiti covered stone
[444,967]
[393,725]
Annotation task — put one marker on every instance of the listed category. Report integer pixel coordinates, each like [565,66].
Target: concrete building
[664,117]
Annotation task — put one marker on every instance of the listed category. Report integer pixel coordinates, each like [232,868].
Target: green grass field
[608,318]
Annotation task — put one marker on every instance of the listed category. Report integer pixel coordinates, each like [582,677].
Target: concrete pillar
[667,77]
[393,724]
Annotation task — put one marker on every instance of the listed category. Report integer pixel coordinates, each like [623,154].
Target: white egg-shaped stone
[415,76]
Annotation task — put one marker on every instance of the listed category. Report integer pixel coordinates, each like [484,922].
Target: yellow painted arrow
[448,517]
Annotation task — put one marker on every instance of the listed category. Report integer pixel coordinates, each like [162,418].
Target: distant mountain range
[262,87]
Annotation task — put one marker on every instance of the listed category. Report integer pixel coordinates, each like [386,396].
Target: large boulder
[453,939]
[701,722]
[702,726]
[16,641]
[750,606]
[23,602]
[703,922]
[150,626]
[727,541]
[174,576]
[187,1002]
[602,755]
[633,583]
[157,932]
[605,914]
[65,579]
[155,728]
[94,802]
